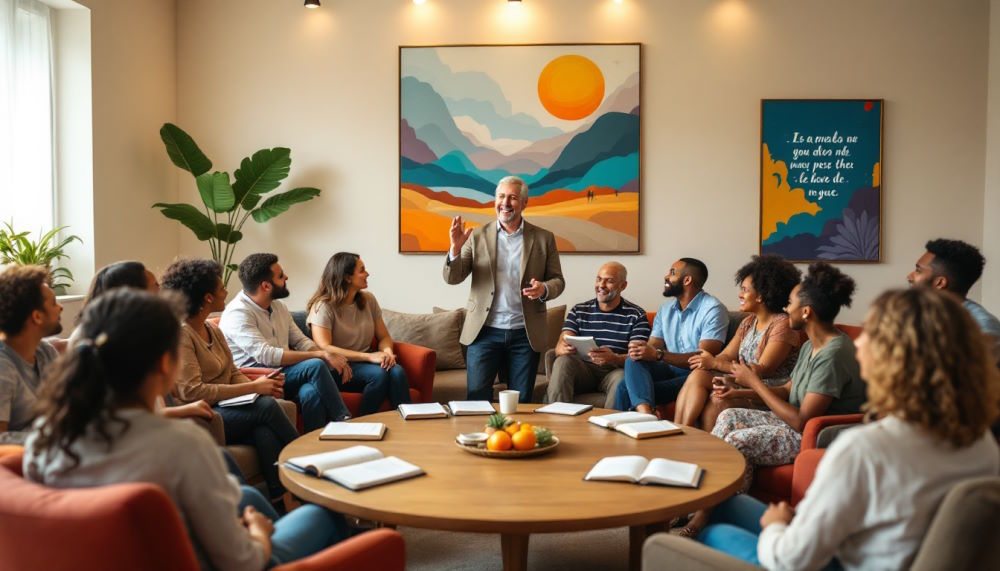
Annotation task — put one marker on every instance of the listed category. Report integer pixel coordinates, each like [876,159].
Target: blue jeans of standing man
[314,385]
[486,354]
[305,530]
[263,425]
[649,382]
[375,384]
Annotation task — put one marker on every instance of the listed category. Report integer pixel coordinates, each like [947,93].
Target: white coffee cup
[508,401]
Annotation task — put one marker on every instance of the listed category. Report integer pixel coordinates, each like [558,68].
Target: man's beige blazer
[539,260]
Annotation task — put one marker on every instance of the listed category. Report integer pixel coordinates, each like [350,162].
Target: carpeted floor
[605,550]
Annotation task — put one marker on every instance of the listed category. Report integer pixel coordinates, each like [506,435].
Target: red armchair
[134,526]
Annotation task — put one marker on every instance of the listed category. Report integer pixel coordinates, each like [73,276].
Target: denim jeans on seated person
[300,533]
[265,426]
[376,384]
[313,384]
[488,351]
[649,382]
[734,528]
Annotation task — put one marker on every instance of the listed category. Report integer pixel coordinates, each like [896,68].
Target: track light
[312,4]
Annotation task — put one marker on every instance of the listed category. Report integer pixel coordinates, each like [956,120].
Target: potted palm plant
[18,248]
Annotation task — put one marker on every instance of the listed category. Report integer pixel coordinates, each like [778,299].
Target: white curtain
[27,179]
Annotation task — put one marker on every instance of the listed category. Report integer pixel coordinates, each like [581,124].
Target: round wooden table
[518,497]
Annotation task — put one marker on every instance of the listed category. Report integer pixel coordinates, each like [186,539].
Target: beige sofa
[440,331]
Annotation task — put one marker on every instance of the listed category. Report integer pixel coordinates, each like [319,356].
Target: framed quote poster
[820,179]
[565,118]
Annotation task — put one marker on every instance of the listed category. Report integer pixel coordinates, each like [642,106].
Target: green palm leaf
[183,151]
[216,192]
[261,173]
[225,233]
[279,203]
[189,216]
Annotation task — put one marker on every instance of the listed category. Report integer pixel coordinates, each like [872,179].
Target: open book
[422,410]
[637,425]
[353,431]
[567,408]
[355,468]
[469,407]
[240,400]
[613,420]
[583,345]
[639,470]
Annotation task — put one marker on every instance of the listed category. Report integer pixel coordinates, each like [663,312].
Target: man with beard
[28,312]
[655,371]
[613,322]
[515,270]
[260,332]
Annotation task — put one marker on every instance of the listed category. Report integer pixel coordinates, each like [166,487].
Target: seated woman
[98,427]
[344,319]
[134,274]
[934,391]
[764,341]
[825,380]
[207,371]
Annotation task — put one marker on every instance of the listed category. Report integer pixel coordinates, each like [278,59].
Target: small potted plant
[18,248]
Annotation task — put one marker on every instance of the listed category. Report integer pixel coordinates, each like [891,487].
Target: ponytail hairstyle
[125,334]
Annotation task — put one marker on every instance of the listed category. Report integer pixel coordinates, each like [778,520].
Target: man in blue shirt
[613,322]
[954,266]
[655,371]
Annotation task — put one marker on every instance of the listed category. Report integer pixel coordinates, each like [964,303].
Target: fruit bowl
[536,451]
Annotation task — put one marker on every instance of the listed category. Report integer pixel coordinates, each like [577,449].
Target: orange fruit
[499,440]
[526,426]
[512,428]
[524,440]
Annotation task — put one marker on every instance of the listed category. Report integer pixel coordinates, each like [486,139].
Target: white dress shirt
[258,337]
[507,312]
[873,498]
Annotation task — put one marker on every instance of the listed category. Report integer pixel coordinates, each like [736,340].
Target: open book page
[567,408]
[618,468]
[649,429]
[613,420]
[466,407]
[583,345]
[353,431]
[422,410]
[368,474]
[316,464]
[240,400]
[671,473]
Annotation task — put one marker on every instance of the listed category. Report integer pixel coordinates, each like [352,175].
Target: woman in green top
[826,380]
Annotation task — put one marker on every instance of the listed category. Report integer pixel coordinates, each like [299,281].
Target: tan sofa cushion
[437,331]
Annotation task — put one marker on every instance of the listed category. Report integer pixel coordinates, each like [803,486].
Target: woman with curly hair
[825,380]
[343,318]
[207,371]
[97,427]
[933,391]
[765,342]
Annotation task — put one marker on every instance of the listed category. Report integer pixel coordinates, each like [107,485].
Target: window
[26,111]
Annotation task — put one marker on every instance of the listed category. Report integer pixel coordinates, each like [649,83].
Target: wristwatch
[659,354]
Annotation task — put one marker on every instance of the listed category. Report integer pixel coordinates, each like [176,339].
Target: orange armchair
[134,526]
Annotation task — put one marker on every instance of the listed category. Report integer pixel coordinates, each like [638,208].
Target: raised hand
[458,234]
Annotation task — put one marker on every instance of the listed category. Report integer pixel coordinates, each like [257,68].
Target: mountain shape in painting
[517,126]
[433,175]
[413,148]
[613,134]
[426,112]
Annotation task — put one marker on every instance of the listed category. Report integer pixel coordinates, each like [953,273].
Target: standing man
[260,332]
[613,322]
[515,270]
[28,312]
[954,266]
[655,371]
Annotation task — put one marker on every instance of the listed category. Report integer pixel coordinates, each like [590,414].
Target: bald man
[612,321]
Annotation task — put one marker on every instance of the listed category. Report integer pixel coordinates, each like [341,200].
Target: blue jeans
[734,527]
[305,530]
[314,385]
[375,384]
[649,382]
[263,425]
[493,348]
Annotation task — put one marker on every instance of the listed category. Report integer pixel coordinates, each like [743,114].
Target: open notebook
[636,424]
[355,468]
[639,470]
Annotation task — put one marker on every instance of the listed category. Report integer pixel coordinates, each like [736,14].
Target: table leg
[514,547]
[636,537]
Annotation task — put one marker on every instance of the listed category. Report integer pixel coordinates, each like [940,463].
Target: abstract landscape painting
[821,179]
[565,118]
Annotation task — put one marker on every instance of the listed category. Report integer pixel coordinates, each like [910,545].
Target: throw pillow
[437,331]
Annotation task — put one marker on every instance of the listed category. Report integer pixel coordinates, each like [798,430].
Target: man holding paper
[608,323]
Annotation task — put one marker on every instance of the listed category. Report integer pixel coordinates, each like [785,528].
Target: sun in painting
[571,87]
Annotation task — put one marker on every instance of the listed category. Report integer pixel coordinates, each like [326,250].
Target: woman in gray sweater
[98,427]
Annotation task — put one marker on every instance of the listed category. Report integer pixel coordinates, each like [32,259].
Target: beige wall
[255,73]
[134,92]
[991,203]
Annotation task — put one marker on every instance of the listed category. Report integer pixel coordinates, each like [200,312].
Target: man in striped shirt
[612,321]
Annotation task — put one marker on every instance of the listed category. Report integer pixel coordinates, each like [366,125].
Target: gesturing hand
[458,235]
